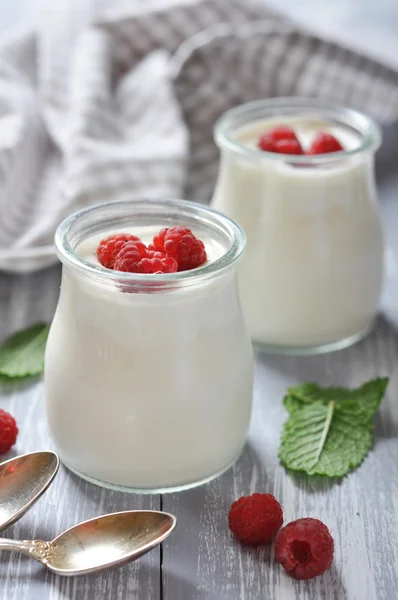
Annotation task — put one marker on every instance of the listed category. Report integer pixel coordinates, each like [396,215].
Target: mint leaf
[23,353]
[329,430]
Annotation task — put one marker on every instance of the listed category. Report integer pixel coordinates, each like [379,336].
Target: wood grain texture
[203,561]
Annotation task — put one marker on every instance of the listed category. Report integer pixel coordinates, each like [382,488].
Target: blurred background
[82,83]
[369,26]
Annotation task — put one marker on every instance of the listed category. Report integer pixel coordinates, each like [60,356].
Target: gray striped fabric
[111,101]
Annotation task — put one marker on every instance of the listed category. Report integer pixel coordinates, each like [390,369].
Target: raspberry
[323,143]
[181,244]
[127,258]
[266,143]
[135,258]
[255,519]
[269,138]
[166,264]
[154,253]
[129,255]
[109,247]
[8,431]
[288,147]
[282,132]
[305,548]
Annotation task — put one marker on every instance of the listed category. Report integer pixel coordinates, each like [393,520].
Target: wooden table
[200,560]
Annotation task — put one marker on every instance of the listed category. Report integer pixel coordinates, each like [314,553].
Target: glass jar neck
[101,220]
[285,109]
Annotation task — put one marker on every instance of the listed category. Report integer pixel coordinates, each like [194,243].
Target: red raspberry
[158,241]
[109,247]
[305,548]
[323,143]
[269,138]
[288,147]
[129,255]
[135,258]
[181,244]
[266,143]
[151,253]
[166,264]
[8,431]
[127,258]
[255,519]
[282,132]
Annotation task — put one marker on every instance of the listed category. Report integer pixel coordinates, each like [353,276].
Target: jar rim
[67,254]
[369,130]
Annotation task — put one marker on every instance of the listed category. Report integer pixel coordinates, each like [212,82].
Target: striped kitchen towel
[117,100]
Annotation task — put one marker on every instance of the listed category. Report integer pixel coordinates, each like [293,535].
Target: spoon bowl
[108,541]
[23,480]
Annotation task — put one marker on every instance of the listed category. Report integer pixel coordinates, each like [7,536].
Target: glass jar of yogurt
[148,378]
[311,277]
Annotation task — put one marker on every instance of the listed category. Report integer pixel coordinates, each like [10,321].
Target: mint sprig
[22,354]
[329,430]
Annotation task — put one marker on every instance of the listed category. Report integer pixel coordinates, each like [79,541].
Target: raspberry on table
[110,246]
[8,431]
[305,548]
[134,257]
[323,143]
[182,245]
[255,519]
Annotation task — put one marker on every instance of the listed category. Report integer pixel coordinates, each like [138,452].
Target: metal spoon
[23,480]
[100,543]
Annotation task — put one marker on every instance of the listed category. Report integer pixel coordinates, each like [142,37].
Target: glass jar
[311,277]
[148,378]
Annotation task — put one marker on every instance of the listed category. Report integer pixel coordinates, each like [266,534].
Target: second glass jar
[312,273]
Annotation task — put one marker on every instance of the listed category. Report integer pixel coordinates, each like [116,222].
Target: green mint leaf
[369,394]
[329,430]
[23,353]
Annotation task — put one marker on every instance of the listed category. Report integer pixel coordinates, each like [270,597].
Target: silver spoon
[107,541]
[23,480]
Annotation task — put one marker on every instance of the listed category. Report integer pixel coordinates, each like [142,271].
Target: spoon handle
[36,549]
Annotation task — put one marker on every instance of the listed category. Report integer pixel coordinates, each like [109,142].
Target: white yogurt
[312,271]
[151,391]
